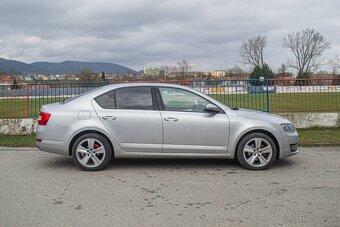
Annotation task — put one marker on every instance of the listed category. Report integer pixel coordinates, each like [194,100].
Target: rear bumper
[53,139]
[52,146]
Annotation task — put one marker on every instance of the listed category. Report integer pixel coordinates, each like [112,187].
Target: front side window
[137,98]
[180,100]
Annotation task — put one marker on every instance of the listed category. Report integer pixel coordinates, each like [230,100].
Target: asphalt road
[41,189]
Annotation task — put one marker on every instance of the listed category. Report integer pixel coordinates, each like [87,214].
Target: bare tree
[283,69]
[335,63]
[251,51]
[165,68]
[307,47]
[168,70]
[87,75]
[183,67]
[235,70]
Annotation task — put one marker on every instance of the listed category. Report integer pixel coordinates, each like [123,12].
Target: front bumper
[288,144]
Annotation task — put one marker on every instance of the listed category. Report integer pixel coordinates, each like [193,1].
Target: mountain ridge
[68,66]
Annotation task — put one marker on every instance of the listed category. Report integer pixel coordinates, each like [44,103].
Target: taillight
[43,118]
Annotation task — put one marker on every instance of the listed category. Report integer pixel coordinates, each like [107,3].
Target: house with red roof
[5,80]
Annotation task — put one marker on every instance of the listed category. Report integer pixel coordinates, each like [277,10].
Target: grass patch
[308,137]
[319,136]
[17,141]
[289,102]
[17,108]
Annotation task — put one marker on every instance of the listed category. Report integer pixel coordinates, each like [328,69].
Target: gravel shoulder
[42,189]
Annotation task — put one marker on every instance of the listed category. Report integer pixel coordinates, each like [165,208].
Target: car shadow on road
[57,162]
[284,163]
[141,163]
[188,163]
[172,163]
[133,164]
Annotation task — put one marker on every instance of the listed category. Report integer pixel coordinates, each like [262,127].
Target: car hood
[258,115]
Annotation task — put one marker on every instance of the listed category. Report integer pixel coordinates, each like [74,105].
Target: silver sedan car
[160,121]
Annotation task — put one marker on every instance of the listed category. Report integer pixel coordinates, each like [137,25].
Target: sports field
[284,102]
[288,102]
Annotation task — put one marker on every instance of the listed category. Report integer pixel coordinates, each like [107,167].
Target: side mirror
[211,108]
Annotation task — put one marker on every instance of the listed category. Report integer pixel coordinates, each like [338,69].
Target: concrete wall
[309,120]
[301,120]
[18,126]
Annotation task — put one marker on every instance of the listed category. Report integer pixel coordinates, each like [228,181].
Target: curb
[18,148]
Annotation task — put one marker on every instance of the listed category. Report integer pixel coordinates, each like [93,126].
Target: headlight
[287,127]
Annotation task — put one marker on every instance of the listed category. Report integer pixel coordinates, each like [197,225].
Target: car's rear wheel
[256,151]
[91,152]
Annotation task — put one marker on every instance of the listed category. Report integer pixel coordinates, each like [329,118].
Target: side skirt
[172,155]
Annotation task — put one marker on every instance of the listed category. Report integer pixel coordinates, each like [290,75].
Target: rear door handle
[170,119]
[109,118]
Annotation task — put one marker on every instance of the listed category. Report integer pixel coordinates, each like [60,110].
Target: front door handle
[171,119]
[109,118]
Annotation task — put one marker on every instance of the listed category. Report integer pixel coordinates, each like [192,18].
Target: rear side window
[137,98]
[107,100]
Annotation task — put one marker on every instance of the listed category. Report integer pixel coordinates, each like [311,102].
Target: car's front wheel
[256,151]
[91,152]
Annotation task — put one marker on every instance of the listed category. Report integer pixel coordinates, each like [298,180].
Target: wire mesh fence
[274,95]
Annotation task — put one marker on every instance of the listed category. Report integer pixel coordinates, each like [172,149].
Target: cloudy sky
[138,33]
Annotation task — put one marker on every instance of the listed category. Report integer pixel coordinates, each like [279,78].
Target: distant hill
[9,66]
[16,66]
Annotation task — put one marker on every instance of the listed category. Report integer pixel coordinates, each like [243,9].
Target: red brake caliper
[96,146]
[263,154]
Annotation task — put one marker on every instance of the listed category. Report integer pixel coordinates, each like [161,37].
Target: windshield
[207,96]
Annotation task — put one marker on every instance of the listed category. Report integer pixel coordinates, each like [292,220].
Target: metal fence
[304,95]
[274,95]
[25,100]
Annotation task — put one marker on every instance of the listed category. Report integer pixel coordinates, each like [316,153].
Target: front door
[187,128]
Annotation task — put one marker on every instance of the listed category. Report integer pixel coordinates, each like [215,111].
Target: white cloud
[152,32]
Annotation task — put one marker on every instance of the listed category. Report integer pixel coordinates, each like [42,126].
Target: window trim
[162,107]
[159,99]
[155,102]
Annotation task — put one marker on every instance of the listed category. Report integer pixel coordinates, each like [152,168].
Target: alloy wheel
[257,152]
[90,153]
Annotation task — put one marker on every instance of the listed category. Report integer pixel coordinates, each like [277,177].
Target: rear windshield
[77,96]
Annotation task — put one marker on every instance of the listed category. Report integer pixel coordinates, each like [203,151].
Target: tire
[91,152]
[256,151]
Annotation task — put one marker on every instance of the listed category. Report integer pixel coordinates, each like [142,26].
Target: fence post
[27,101]
[267,86]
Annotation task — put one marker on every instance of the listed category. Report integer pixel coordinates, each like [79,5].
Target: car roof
[144,84]
[121,85]
[106,88]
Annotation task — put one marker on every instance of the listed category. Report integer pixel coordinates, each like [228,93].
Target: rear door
[133,119]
